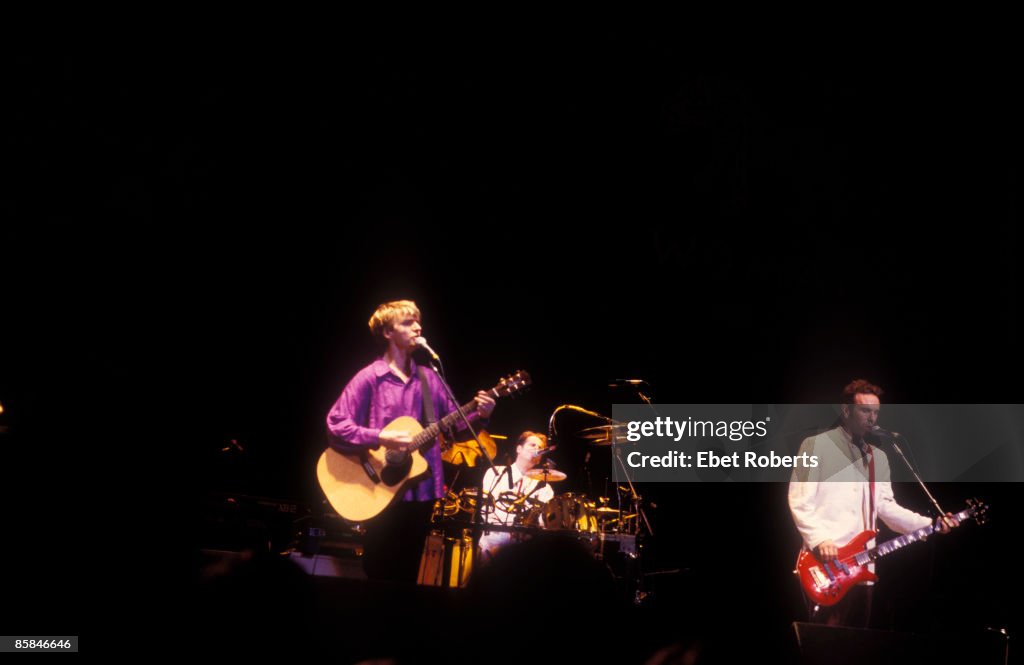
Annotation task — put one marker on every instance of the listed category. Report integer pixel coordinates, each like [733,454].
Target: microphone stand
[618,457]
[494,498]
[439,371]
[635,498]
[552,433]
[942,513]
[515,505]
[508,468]
[641,588]
[462,414]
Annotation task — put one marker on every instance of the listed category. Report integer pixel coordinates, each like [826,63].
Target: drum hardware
[469,498]
[514,504]
[604,435]
[450,504]
[446,561]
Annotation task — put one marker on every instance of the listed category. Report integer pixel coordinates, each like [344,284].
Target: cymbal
[603,435]
[605,510]
[550,475]
[596,431]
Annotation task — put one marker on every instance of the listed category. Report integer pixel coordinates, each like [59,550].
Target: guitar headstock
[978,510]
[513,384]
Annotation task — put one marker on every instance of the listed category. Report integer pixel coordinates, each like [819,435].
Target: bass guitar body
[826,583]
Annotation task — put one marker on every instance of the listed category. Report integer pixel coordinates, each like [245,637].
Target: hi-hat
[550,475]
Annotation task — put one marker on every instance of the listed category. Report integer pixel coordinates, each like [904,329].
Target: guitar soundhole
[394,474]
[395,457]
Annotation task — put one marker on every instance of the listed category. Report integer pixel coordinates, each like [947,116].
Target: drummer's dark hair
[527,434]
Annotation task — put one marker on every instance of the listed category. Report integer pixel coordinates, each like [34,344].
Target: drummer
[511,491]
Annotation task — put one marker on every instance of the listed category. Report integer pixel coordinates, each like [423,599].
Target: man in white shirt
[508,487]
[841,497]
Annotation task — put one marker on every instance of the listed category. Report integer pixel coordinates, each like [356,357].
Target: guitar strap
[429,412]
[869,461]
[871,487]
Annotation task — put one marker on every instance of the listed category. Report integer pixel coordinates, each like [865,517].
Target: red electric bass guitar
[827,583]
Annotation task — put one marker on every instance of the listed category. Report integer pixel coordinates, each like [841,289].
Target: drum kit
[574,512]
[611,527]
[566,512]
[569,511]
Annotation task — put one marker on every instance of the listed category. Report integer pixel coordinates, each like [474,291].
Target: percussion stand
[638,533]
[635,499]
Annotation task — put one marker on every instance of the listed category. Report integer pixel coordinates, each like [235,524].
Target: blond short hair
[386,315]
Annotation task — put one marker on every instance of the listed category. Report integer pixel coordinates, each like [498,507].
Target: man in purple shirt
[384,390]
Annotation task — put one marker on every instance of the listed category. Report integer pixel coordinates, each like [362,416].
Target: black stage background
[198,238]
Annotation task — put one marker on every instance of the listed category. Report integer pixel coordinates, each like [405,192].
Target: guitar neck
[890,546]
[447,423]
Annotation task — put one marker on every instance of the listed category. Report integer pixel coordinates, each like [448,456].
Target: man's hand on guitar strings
[826,550]
[946,523]
[396,439]
[484,404]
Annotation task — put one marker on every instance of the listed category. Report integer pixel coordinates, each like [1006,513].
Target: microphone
[545,451]
[422,343]
[883,433]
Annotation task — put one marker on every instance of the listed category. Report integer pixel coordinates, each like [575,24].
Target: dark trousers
[853,611]
[393,542]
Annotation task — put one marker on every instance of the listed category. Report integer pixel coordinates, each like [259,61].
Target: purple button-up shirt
[373,398]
